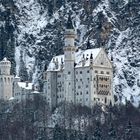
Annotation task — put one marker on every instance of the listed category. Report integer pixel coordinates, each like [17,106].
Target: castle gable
[102,60]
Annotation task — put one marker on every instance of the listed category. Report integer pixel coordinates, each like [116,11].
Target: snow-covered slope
[38,35]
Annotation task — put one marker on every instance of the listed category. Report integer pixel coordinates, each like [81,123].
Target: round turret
[5,66]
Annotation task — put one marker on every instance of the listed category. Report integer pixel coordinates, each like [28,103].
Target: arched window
[8,80]
[5,80]
[105,100]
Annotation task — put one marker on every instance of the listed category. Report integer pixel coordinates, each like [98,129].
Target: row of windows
[60,96]
[60,89]
[82,87]
[81,80]
[98,99]
[103,86]
[82,72]
[5,79]
[102,72]
[104,79]
[81,93]
[80,100]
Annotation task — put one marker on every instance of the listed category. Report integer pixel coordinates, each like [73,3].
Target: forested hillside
[32,32]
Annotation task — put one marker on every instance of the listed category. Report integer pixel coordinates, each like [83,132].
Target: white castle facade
[84,77]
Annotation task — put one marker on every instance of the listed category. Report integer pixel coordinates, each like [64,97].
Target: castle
[84,77]
[80,77]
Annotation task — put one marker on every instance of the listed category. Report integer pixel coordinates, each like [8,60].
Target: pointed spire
[69,22]
[111,58]
[91,56]
[88,44]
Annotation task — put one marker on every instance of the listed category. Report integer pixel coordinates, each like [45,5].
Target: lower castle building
[81,77]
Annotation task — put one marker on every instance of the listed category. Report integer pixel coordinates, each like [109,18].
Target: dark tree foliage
[23,70]
[97,132]
[58,133]
[7,35]
[112,132]
[129,131]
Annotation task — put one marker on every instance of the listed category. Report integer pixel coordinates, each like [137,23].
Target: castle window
[88,71]
[69,72]
[107,72]
[76,72]
[101,63]
[80,79]
[81,93]
[79,87]
[86,99]
[80,72]
[69,83]
[88,79]
[87,92]
[102,72]
[86,86]
[105,100]
[96,71]
[59,76]
[5,80]
[9,80]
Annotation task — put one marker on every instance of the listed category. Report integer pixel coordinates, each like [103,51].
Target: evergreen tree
[128,131]
[97,133]
[22,70]
[57,134]
[112,132]
[88,44]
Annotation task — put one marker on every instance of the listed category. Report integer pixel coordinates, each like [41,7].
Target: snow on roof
[56,62]
[17,77]
[5,60]
[12,98]
[35,92]
[23,85]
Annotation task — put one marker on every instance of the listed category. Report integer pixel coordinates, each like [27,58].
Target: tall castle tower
[69,59]
[6,80]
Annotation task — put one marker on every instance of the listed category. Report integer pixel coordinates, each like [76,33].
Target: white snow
[23,85]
